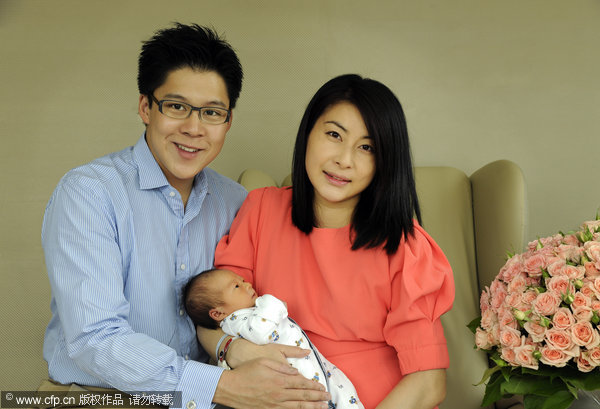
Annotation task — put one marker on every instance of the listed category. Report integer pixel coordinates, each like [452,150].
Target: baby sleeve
[422,290]
[259,324]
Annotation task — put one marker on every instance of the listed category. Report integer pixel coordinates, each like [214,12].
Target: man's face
[183,147]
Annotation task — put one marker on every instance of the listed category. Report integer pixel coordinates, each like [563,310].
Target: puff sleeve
[236,250]
[422,290]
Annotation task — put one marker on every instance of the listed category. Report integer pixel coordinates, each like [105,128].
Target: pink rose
[511,268]
[554,357]
[528,298]
[546,303]
[495,334]
[563,319]
[513,300]
[592,250]
[484,300]
[534,264]
[561,285]
[507,319]
[571,239]
[590,269]
[556,268]
[583,314]
[498,294]
[591,225]
[585,335]
[587,290]
[584,364]
[508,354]
[581,300]
[524,356]
[483,339]
[488,319]
[574,272]
[551,241]
[536,331]
[533,245]
[595,286]
[596,306]
[518,284]
[559,339]
[594,356]
[569,253]
[510,337]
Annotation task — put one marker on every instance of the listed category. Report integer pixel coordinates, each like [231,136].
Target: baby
[221,297]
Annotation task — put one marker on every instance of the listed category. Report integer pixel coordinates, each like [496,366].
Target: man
[124,233]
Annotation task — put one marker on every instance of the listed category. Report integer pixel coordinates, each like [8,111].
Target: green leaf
[533,401]
[588,381]
[492,390]
[473,325]
[560,400]
[507,372]
[524,385]
[487,374]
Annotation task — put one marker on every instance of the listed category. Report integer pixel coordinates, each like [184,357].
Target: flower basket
[539,322]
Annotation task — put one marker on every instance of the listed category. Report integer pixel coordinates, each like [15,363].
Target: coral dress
[374,316]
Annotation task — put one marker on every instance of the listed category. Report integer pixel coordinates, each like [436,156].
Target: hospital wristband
[219,345]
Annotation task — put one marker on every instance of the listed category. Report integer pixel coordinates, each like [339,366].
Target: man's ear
[230,121]
[144,109]
[216,314]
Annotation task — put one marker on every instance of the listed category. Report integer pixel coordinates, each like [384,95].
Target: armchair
[474,219]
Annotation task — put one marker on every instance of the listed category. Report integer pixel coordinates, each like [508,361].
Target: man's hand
[264,383]
[242,350]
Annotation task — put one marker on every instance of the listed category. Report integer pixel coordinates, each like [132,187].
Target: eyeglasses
[181,110]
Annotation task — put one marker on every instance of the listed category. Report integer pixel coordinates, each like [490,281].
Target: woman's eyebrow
[337,124]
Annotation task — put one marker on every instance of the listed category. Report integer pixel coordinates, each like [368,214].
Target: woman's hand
[418,390]
[241,351]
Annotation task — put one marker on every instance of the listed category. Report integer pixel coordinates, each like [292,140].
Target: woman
[363,279]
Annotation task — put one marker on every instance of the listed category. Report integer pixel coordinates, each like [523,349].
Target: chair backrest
[475,220]
[446,207]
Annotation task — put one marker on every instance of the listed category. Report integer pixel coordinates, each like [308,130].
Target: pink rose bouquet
[540,320]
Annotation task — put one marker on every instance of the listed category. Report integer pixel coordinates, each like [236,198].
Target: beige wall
[479,80]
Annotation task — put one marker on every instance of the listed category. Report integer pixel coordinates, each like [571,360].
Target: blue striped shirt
[119,247]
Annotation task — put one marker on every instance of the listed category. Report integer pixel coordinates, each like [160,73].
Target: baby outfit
[268,322]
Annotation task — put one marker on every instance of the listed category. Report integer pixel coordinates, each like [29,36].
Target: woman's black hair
[193,46]
[384,213]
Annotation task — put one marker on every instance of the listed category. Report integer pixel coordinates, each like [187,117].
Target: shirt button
[172,194]
[182,266]
[191,405]
[187,357]
[181,312]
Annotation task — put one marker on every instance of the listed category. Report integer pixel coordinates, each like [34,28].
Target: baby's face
[236,293]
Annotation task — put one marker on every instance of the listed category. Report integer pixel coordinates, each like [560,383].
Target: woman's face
[340,160]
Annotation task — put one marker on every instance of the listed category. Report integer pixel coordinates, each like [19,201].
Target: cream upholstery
[474,220]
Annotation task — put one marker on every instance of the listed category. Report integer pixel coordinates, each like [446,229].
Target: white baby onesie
[268,322]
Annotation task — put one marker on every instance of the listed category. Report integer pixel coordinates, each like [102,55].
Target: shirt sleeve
[422,290]
[236,250]
[87,277]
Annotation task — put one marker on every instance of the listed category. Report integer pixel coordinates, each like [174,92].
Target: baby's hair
[199,299]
